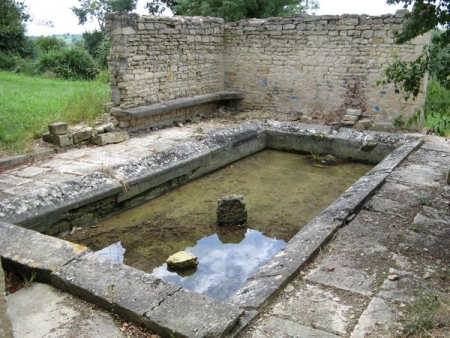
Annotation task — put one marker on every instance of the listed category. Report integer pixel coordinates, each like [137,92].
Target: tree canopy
[96,9]
[233,10]
[12,28]
[425,15]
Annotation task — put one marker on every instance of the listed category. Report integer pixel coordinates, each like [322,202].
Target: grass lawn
[29,104]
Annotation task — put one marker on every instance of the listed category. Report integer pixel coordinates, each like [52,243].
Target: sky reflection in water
[223,268]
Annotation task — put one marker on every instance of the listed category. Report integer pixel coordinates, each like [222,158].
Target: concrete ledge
[161,108]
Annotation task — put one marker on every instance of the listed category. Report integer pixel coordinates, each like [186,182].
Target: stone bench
[178,110]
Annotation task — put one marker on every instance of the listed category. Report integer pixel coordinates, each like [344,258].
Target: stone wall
[310,66]
[317,66]
[156,59]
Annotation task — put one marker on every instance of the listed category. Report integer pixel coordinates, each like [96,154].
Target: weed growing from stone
[415,227]
[28,281]
[429,316]
[425,201]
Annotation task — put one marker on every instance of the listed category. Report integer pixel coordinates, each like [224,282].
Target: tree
[233,10]
[159,6]
[425,15]
[96,9]
[92,40]
[12,28]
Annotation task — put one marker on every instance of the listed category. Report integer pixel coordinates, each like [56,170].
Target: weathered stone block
[182,260]
[81,136]
[63,140]
[354,112]
[231,210]
[350,118]
[364,124]
[113,137]
[58,128]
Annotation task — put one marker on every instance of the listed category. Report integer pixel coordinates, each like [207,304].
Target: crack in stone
[162,301]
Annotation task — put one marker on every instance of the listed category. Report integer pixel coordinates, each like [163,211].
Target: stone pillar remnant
[231,210]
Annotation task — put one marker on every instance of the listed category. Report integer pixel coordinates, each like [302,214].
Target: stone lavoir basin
[283,192]
[166,307]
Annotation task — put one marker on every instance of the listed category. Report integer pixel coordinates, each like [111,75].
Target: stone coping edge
[135,295]
[9,161]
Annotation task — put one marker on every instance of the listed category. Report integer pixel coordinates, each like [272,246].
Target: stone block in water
[231,210]
[182,260]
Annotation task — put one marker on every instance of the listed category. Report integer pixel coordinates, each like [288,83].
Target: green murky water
[283,191]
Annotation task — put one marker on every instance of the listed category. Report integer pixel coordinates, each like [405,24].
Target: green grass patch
[28,104]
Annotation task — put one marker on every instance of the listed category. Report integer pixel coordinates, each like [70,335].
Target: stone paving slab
[320,307]
[280,327]
[43,311]
[378,316]
[441,144]
[30,172]
[13,180]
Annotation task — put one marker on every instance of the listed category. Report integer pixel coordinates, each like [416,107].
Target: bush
[69,63]
[15,63]
[437,108]
[47,43]
[8,60]
[103,52]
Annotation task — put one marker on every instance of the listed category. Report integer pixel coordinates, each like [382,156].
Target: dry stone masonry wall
[156,59]
[317,66]
[311,66]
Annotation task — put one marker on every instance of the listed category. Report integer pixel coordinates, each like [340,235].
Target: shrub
[8,60]
[15,63]
[69,63]
[103,52]
[47,43]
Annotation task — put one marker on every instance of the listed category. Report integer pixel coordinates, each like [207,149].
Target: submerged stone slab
[144,298]
[29,251]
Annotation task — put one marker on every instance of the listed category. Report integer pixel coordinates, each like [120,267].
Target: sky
[64,21]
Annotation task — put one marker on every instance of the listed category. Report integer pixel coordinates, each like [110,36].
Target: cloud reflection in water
[223,268]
